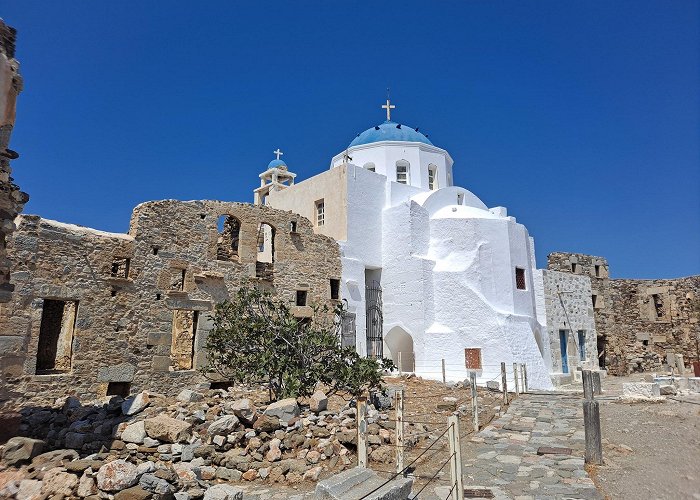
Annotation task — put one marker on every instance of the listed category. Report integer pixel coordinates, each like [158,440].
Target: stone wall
[136,307]
[12,200]
[637,321]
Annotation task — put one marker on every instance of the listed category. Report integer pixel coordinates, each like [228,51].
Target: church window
[370,166]
[520,278]
[229,229]
[402,173]
[301,297]
[335,289]
[54,352]
[320,213]
[432,177]
[120,267]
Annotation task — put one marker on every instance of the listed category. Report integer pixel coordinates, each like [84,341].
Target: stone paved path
[503,456]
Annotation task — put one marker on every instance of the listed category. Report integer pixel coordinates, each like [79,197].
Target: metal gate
[374,320]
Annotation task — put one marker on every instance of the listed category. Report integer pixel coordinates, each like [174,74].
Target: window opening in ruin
[157,296]
[582,345]
[658,305]
[432,177]
[293,226]
[120,267]
[335,289]
[266,243]
[202,216]
[229,228]
[594,299]
[119,389]
[574,267]
[472,358]
[155,250]
[114,293]
[645,342]
[177,281]
[348,329]
[56,336]
[183,339]
[520,279]
[597,271]
[402,172]
[301,297]
[370,166]
[320,213]
[220,385]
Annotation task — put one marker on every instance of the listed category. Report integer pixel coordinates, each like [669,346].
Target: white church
[429,272]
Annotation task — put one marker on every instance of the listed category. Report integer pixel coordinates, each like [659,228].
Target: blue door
[562,345]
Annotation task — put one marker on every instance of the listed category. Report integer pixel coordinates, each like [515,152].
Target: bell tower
[275,178]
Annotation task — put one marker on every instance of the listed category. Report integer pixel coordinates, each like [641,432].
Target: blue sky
[583,118]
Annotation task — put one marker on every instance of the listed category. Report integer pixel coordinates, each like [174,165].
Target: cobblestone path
[503,456]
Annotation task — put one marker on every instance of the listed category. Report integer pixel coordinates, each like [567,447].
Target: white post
[475,403]
[362,432]
[522,378]
[455,456]
[399,362]
[399,429]
[515,376]
[444,378]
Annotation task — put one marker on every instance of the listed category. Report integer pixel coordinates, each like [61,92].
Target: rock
[78,466]
[145,468]
[29,489]
[347,437]
[274,453]
[313,457]
[245,410]
[640,390]
[87,486]
[383,454]
[231,475]
[250,475]
[284,409]
[150,442]
[182,495]
[59,482]
[266,423]
[135,404]
[21,449]
[75,440]
[134,433]
[318,402]
[493,385]
[167,429]
[55,457]
[313,473]
[189,396]
[154,484]
[117,475]
[223,426]
[134,493]
[223,492]
[667,390]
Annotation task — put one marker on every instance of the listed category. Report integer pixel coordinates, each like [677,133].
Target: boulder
[318,402]
[188,396]
[87,486]
[223,426]
[154,484]
[274,453]
[266,423]
[640,390]
[668,390]
[75,440]
[117,475]
[167,429]
[284,409]
[135,404]
[133,493]
[134,433]
[245,410]
[29,489]
[223,492]
[59,482]
[21,449]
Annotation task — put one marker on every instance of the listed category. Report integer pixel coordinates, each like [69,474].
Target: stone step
[358,483]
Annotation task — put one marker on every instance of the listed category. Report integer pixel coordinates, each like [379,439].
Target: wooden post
[522,379]
[475,404]
[525,377]
[456,456]
[587,385]
[399,362]
[591,422]
[362,432]
[597,390]
[444,378]
[515,376]
[504,382]
[398,399]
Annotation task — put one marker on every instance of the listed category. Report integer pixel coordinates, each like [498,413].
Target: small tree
[256,339]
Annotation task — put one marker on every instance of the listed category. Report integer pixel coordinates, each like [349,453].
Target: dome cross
[278,153]
[388,106]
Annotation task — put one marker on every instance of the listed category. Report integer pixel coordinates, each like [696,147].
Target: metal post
[444,378]
[475,405]
[525,377]
[515,376]
[362,432]
[504,382]
[522,379]
[398,395]
[456,456]
[591,422]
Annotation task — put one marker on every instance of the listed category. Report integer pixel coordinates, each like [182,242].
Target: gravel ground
[651,450]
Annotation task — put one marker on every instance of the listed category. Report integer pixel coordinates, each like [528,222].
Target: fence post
[515,376]
[398,399]
[444,378]
[399,362]
[591,422]
[504,381]
[475,403]
[525,377]
[455,456]
[362,432]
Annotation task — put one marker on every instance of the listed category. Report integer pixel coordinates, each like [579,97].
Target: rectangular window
[574,267]
[183,339]
[472,358]
[293,226]
[582,345]
[56,330]
[432,171]
[301,297]
[520,279]
[335,289]
[597,271]
[594,299]
[177,279]
[402,174]
[658,306]
[320,213]
[120,267]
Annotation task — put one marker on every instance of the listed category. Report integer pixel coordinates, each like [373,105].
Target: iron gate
[374,320]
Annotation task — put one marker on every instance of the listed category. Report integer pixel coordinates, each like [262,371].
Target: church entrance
[374,319]
[400,345]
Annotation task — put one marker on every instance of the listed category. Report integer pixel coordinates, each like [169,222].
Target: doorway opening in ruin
[264,264]
[601,345]
[122,389]
[183,339]
[55,347]
[400,345]
[229,228]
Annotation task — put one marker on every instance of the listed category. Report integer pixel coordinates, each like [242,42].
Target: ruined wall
[637,321]
[143,300]
[12,200]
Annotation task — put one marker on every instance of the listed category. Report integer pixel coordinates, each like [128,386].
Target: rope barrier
[434,476]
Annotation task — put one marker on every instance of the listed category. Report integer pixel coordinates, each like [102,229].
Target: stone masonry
[638,322]
[96,313]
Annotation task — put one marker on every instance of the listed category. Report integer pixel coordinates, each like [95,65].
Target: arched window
[402,172]
[229,234]
[432,177]
[370,166]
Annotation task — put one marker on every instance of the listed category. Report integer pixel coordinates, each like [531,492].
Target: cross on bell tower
[388,106]
[278,153]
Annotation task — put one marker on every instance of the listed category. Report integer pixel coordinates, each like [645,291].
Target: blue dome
[389,131]
[276,163]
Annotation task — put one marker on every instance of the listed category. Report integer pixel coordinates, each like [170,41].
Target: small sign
[472,358]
